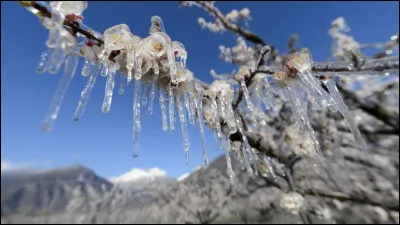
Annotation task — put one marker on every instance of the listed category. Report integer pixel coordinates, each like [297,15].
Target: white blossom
[292,202]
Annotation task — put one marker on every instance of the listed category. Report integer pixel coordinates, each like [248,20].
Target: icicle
[43,63]
[121,86]
[171,110]
[163,111]
[266,98]
[199,107]
[136,118]
[185,134]
[267,161]
[109,89]
[346,113]
[57,21]
[87,67]
[239,157]
[293,106]
[300,113]
[246,148]
[104,70]
[69,72]
[256,115]
[152,95]
[139,63]
[192,109]
[223,142]
[86,93]
[146,93]
[156,69]
[314,87]
[129,77]
[189,107]
[254,158]
[56,60]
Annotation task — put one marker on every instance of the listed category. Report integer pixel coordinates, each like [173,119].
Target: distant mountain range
[350,187]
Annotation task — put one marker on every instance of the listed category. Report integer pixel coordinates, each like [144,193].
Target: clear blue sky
[103,141]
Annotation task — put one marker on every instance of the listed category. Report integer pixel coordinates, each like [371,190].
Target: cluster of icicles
[158,65]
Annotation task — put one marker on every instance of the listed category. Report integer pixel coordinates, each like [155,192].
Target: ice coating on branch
[62,88]
[80,109]
[60,9]
[160,63]
[136,117]
[348,116]
[69,7]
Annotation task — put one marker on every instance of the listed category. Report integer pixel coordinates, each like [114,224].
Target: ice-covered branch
[215,12]
[157,64]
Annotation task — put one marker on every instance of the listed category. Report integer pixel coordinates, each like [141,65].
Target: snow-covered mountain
[137,174]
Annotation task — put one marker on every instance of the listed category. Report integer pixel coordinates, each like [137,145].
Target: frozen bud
[201,21]
[222,89]
[232,16]
[301,60]
[291,202]
[208,115]
[306,147]
[117,37]
[87,52]
[244,13]
[243,73]
[340,24]
[284,77]
[157,25]
[180,52]
[69,7]
[155,46]
[184,80]
[301,144]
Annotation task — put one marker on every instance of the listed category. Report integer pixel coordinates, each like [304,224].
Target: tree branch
[248,35]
